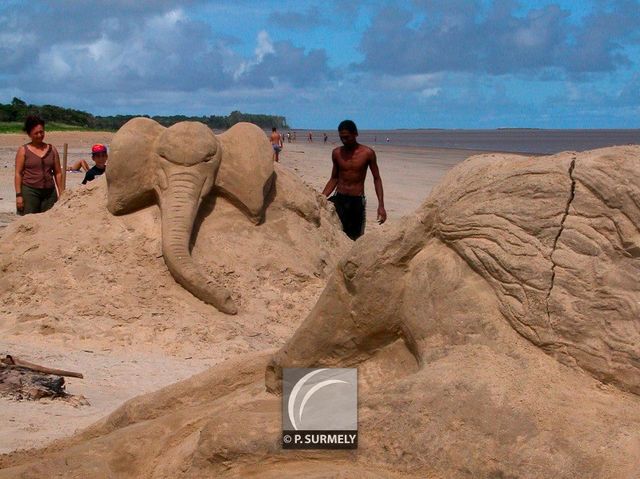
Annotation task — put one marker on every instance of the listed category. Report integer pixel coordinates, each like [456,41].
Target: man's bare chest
[352,163]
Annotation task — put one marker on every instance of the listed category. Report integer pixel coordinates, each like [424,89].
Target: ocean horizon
[516,140]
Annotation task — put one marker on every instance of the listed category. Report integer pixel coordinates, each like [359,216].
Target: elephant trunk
[179,203]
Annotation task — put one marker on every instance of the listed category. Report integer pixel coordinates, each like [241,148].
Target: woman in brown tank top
[37,171]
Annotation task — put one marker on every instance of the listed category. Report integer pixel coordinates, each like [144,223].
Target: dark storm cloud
[468,36]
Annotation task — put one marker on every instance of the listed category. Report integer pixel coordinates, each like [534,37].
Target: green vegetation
[12,116]
[10,127]
[16,127]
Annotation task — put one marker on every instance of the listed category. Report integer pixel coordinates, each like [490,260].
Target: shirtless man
[276,143]
[350,163]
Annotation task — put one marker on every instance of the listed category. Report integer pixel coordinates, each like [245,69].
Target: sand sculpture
[557,240]
[81,277]
[495,332]
[178,167]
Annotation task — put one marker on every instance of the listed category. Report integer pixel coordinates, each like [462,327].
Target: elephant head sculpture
[554,239]
[177,167]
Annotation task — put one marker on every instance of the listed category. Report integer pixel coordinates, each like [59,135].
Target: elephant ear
[246,174]
[131,173]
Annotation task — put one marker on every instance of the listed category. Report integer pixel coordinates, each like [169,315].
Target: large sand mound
[82,276]
[495,333]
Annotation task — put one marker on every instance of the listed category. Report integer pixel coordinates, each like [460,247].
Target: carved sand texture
[179,166]
[87,279]
[494,332]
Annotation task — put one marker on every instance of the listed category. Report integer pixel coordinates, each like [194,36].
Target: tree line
[17,111]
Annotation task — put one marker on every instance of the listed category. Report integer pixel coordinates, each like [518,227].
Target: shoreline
[530,142]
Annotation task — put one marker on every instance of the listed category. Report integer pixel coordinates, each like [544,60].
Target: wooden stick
[55,183]
[64,165]
[13,361]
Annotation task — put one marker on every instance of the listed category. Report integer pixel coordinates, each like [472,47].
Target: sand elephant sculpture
[495,332]
[557,239]
[178,167]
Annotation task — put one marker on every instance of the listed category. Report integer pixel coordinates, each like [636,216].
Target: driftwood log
[21,379]
[9,360]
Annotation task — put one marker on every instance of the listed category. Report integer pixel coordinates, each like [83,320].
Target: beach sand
[408,173]
[115,373]
[79,147]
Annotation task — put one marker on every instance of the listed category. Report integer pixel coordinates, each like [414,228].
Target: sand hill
[82,275]
[84,290]
[495,332]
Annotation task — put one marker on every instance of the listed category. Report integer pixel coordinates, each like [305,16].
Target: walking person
[276,143]
[350,163]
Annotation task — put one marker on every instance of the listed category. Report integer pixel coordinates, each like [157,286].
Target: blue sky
[384,64]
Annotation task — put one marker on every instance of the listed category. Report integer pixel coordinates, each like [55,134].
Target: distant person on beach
[99,156]
[288,137]
[293,137]
[350,163]
[325,137]
[38,171]
[276,143]
[310,137]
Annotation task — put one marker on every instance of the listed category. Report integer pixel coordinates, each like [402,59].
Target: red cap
[98,148]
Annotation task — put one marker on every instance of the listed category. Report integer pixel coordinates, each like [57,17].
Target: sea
[516,140]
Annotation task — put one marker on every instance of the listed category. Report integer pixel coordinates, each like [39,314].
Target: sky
[384,64]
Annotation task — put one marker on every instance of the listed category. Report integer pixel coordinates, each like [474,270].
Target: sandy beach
[476,318]
[79,147]
[408,173]
[116,371]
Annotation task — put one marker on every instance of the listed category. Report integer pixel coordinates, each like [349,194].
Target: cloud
[469,36]
[16,42]
[282,62]
[264,46]
[420,62]
[167,51]
[416,82]
[126,52]
[298,20]
[630,92]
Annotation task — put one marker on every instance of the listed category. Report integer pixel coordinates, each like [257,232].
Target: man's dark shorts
[351,211]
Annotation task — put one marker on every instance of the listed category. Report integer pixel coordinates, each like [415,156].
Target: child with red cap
[99,156]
